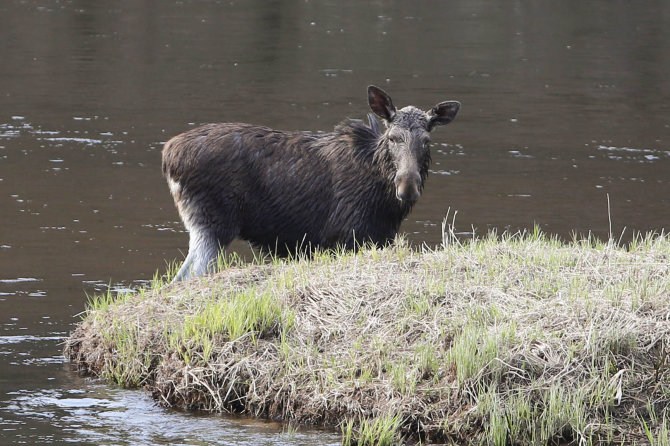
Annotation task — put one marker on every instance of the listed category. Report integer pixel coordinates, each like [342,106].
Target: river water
[564,105]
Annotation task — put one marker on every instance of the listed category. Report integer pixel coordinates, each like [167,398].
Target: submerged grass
[505,340]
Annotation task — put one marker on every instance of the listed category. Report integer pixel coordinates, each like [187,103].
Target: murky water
[563,105]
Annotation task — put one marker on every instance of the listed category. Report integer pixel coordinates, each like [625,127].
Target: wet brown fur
[291,191]
[283,189]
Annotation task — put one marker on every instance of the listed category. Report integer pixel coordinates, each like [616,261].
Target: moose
[297,191]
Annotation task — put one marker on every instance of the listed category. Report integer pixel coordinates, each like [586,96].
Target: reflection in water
[85,412]
[100,415]
[639,155]
[563,105]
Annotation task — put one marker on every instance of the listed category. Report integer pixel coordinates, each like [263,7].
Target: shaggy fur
[288,191]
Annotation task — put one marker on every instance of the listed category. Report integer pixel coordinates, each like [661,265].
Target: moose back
[292,191]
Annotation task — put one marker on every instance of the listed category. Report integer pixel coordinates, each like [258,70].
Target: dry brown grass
[502,340]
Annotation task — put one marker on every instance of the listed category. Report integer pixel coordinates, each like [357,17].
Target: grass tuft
[381,431]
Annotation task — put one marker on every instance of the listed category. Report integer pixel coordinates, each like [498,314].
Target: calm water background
[563,103]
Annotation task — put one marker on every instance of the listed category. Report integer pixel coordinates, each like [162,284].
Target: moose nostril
[407,192]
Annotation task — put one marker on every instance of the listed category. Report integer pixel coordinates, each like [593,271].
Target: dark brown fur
[287,191]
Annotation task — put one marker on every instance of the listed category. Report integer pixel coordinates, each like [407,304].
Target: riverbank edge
[512,339]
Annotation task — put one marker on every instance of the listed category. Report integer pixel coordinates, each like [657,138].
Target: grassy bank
[502,341]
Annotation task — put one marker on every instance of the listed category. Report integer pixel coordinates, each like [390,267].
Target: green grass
[381,431]
[229,316]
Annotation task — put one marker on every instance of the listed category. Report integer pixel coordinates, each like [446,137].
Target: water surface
[563,105]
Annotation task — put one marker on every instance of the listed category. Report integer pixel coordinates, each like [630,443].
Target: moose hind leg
[203,249]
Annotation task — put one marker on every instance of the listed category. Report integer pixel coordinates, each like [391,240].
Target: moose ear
[443,113]
[381,103]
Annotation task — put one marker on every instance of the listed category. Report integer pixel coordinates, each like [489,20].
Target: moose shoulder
[287,191]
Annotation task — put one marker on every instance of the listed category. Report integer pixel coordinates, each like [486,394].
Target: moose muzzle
[407,187]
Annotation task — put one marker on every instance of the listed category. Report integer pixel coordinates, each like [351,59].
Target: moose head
[407,139]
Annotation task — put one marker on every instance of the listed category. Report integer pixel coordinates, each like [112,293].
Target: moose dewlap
[287,191]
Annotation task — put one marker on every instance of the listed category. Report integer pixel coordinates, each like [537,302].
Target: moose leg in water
[292,191]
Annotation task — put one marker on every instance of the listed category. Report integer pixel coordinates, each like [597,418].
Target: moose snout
[407,187]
